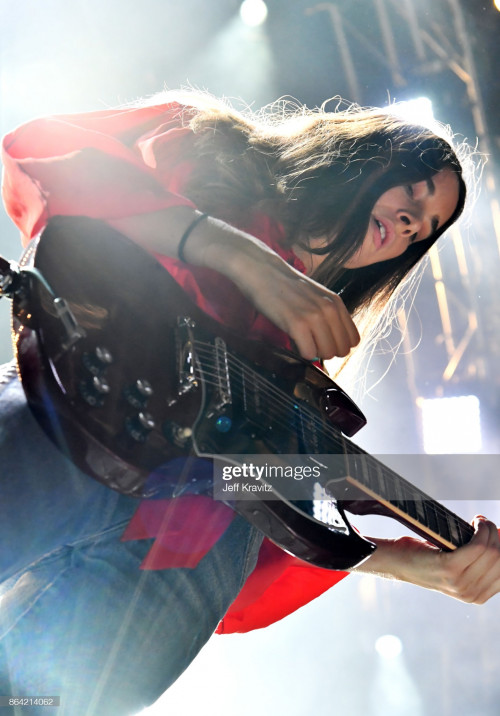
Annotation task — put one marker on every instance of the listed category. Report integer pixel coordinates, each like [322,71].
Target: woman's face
[407,214]
[403,215]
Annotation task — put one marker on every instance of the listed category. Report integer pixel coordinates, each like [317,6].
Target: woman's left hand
[470,573]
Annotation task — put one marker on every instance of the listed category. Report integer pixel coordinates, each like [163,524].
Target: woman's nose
[411,224]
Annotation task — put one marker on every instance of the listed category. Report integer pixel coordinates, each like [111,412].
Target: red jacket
[118,163]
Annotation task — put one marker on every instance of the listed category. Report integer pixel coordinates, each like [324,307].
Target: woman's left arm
[470,573]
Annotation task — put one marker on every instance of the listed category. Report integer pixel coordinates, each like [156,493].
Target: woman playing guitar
[293,229]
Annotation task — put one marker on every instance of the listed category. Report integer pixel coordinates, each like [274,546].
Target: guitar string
[455,527]
[287,404]
[442,517]
[284,401]
[293,405]
[391,474]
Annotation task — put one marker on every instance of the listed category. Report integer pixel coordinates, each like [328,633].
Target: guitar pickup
[186,355]
[222,372]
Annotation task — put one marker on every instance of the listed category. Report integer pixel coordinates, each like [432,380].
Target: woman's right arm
[315,318]
[80,165]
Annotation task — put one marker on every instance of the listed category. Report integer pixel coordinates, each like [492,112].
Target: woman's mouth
[381,236]
[381,229]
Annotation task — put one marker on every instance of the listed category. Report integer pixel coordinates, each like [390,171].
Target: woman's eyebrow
[431,186]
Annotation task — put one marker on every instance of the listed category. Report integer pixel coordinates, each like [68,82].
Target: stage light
[388,646]
[253,12]
[418,111]
[451,425]
[223,67]
[496,3]
[393,692]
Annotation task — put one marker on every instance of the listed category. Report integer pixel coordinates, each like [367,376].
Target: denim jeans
[78,619]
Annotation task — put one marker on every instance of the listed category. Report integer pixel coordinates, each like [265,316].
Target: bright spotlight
[417,111]
[497,4]
[388,646]
[451,425]
[253,12]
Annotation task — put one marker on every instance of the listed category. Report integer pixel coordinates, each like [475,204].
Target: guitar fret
[411,506]
[362,466]
[432,519]
[367,475]
[465,530]
[444,526]
[400,500]
[445,519]
[400,504]
[374,477]
[420,510]
[454,531]
[244,390]
[380,477]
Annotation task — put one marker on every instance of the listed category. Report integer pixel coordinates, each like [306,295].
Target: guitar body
[126,374]
[126,323]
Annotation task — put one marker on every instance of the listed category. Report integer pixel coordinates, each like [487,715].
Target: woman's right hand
[315,318]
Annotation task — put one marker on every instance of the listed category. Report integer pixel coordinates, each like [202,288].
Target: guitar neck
[302,428]
[403,501]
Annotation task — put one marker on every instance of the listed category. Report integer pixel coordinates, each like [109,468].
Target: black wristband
[185,236]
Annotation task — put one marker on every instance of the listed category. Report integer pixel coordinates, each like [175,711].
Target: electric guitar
[122,368]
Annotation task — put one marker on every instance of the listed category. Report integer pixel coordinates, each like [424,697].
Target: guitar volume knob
[139,393]
[97,361]
[140,426]
[94,390]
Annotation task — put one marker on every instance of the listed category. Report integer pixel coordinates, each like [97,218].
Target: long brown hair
[319,173]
